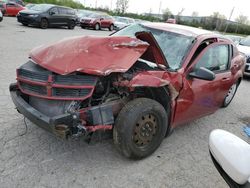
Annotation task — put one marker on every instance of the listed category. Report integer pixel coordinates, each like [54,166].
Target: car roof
[180,29]
[128,18]
[52,5]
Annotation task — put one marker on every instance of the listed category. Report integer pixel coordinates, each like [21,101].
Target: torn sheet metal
[90,54]
[150,79]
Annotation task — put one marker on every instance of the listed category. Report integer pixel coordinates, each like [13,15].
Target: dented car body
[141,82]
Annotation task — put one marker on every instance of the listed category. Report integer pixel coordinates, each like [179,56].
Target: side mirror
[203,74]
[101,19]
[231,157]
[52,13]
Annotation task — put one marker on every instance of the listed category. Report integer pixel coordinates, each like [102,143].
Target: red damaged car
[141,83]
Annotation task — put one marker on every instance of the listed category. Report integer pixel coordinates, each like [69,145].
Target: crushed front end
[67,105]
[77,86]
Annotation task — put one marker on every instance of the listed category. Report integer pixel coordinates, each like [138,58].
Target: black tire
[82,27]
[230,95]
[97,26]
[44,24]
[71,24]
[25,24]
[140,128]
[111,27]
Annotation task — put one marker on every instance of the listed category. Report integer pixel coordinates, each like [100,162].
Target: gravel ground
[38,159]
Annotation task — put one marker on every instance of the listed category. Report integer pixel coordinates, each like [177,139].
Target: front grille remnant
[32,75]
[36,89]
[75,79]
[37,81]
[62,92]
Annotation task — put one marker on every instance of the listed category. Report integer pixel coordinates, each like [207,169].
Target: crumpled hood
[90,54]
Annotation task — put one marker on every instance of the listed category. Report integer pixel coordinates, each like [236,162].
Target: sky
[203,7]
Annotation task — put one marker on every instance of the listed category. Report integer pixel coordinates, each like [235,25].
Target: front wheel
[97,26]
[140,128]
[230,95]
[44,24]
[111,27]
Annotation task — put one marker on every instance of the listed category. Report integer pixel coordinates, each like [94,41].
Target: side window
[63,11]
[11,5]
[54,10]
[71,12]
[215,58]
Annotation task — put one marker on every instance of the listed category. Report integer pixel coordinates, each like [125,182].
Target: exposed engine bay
[91,100]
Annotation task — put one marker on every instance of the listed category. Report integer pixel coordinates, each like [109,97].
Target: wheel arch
[44,17]
[160,94]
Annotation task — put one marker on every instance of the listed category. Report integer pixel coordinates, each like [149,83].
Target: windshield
[245,42]
[83,13]
[94,15]
[41,7]
[173,45]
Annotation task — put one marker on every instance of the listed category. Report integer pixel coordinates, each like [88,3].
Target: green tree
[242,19]
[121,6]
[195,14]
[166,14]
[216,21]
[218,15]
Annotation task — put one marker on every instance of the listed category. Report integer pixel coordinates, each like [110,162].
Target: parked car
[29,5]
[48,15]
[141,21]
[141,83]
[97,21]
[2,7]
[20,2]
[231,157]
[12,8]
[1,16]
[171,20]
[121,22]
[235,38]
[244,47]
[80,13]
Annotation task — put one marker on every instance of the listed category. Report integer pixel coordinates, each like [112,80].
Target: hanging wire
[26,128]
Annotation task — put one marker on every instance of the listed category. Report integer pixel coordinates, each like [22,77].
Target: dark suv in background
[48,15]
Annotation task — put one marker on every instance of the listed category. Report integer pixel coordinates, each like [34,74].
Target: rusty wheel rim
[145,130]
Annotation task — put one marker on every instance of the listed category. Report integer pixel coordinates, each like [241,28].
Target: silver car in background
[121,22]
[244,47]
[1,16]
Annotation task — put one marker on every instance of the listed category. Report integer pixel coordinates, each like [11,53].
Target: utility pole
[111,5]
[181,11]
[232,11]
[160,8]
[95,3]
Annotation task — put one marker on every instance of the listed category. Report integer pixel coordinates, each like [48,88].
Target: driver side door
[54,17]
[201,97]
